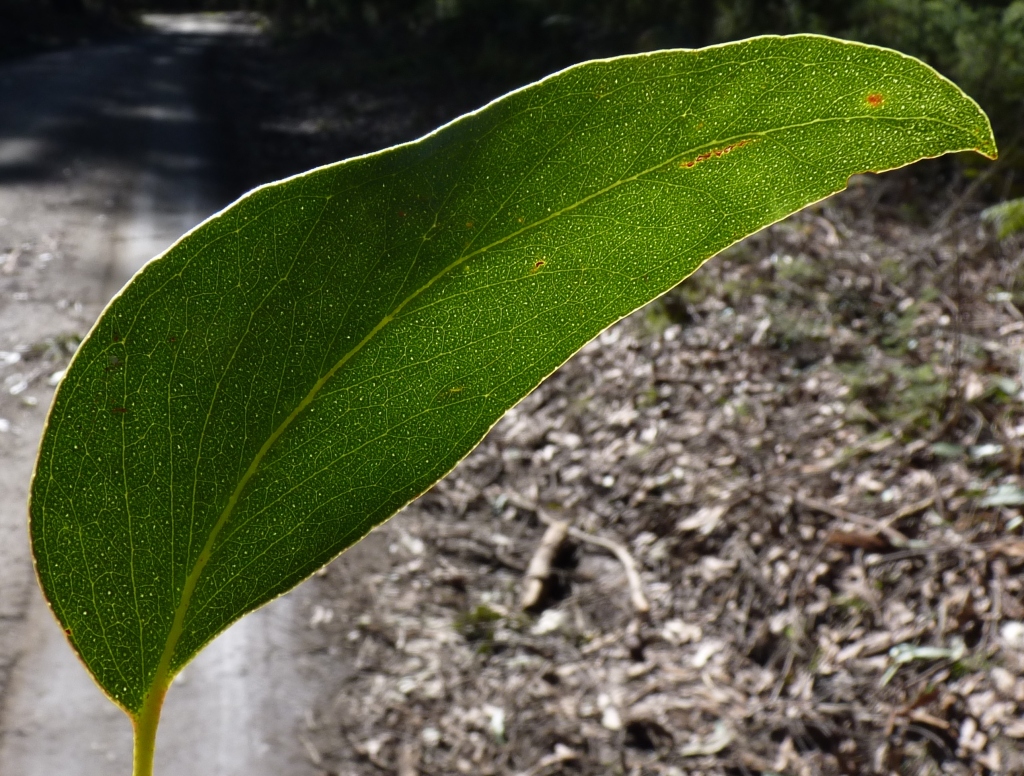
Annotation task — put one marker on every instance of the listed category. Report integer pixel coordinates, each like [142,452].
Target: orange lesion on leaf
[874,100]
[717,153]
[449,394]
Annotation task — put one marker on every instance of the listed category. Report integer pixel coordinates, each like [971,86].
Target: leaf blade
[301,366]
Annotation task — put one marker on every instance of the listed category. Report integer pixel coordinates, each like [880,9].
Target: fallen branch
[539,569]
[636,588]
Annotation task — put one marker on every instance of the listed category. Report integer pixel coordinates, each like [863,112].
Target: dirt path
[105,159]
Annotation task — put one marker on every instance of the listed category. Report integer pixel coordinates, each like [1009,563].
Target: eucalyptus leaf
[299,367]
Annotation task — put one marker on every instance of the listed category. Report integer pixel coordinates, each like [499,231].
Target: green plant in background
[1007,217]
[295,370]
[977,43]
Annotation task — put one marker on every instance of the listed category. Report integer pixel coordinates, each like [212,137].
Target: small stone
[677,632]
[1004,681]
[705,652]
[971,739]
[550,621]
[496,717]
[431,737]
[1014,729]
[321,615]
[1012,634]
[610,719]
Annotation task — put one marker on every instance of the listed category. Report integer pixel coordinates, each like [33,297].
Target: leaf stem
[145,724]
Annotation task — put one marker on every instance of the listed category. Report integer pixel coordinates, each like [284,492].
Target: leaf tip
[985,143]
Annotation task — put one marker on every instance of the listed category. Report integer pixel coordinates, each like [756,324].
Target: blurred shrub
[1007,217]
[977,43]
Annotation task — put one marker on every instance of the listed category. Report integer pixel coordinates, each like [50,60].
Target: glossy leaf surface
[299,367]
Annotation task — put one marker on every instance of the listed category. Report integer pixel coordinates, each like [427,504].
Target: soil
[810,451]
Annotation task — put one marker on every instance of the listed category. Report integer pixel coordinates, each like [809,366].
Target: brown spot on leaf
[717,153]
[450,394]
[874,100]
[537,265]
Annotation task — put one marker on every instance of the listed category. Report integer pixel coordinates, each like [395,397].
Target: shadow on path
[108,153]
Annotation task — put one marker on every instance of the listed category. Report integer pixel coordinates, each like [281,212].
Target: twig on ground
[999,574]
[636,589]
[562,754]
[408,759]
[311,751]
[539,569]
[909,510]
[896,539]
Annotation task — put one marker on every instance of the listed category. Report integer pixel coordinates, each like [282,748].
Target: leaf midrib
[177,628]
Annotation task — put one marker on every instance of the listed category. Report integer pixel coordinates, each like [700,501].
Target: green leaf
[1007,217]
[300,366]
